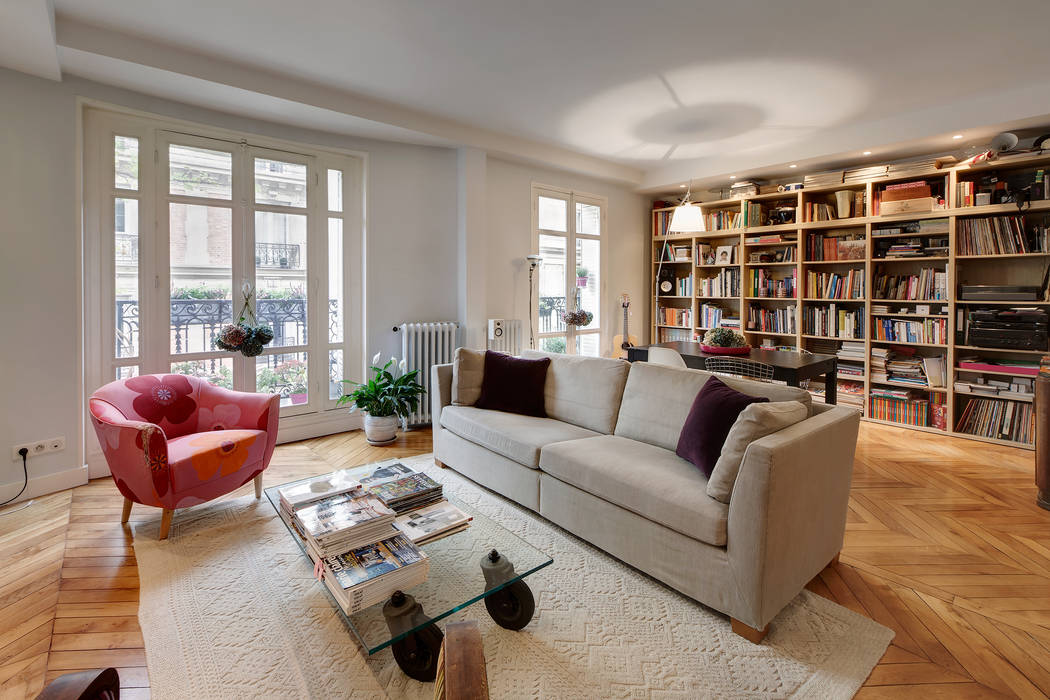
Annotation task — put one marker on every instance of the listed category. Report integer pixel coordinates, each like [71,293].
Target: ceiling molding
[27,38]
[131,49]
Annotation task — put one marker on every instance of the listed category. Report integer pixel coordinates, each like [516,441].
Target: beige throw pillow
[756,421]
[468,369]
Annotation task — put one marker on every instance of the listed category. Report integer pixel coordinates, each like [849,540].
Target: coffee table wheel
[512,607]
[417,654]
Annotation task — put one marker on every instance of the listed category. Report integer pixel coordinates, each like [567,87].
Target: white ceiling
[650,92]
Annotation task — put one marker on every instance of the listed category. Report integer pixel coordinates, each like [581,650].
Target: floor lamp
[534,262]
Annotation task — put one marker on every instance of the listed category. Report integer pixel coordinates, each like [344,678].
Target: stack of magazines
[432,522]
[303,493]
[368,575]
[341,523]
[411,492]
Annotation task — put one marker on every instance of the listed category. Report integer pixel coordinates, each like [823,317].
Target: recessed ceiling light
[732,177]
[793,165]
[867,153]
[957,137]
[681,185]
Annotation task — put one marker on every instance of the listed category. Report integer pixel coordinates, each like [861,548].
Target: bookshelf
[784,273]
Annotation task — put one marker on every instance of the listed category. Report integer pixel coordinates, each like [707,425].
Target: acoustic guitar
[624,340]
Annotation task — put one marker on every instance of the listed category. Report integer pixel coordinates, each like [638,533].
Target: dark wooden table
[790,367]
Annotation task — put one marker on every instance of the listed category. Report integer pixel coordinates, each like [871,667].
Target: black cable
[25,476]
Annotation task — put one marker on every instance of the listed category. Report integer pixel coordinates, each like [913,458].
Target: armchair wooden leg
[258,485]
[747,632]
[165,523]
[126,514]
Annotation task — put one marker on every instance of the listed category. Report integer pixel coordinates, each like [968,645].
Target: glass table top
[455,579]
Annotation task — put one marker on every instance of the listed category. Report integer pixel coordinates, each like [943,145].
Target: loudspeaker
[665,282]
[497,328]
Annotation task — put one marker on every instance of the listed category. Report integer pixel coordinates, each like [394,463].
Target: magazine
[302,493]
[374,474]
[427,524]
[341,513]
[373,561]
[411,492]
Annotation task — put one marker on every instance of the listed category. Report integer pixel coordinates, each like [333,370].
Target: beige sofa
[603,466]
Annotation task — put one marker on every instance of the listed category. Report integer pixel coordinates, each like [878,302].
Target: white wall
[411,253]
[509,195]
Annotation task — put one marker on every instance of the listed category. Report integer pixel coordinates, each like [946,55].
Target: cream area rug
[229,609]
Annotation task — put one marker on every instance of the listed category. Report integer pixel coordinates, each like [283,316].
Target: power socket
[40,447]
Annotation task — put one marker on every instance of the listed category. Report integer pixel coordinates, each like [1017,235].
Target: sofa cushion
[199,458]
[513,384]
[468,368]
[657,400]
[648,480]
[584,391]
[512,435]
[715,410]
[755,422]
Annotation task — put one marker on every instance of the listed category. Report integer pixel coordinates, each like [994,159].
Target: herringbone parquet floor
[944,545]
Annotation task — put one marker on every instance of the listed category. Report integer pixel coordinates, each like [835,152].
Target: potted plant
[391,395]
[581,276]
[723,341]
[577,318]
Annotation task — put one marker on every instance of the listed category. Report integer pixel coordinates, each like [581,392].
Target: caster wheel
[512,608]
[417,654]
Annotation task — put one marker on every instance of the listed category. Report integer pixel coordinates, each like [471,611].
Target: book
[432,522]
[300,494]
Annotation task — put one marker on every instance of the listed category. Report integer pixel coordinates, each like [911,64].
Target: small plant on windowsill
[581,276]
[390,396]
[724,341]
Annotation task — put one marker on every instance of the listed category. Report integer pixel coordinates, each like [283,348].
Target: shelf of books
[931,287]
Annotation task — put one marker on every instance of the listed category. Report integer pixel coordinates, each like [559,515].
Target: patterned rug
[229,609]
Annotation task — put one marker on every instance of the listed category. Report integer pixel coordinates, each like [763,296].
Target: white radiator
[510,340]
[424,345]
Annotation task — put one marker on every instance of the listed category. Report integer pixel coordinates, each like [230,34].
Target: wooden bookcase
[1013,268]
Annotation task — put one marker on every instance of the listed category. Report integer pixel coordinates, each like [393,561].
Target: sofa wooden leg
[126,513]
[835,559]
[747,632]
[165,523]
[258,486]
[441,464]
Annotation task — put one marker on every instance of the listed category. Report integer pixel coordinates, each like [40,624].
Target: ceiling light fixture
[867,153]
[732,177]
[793,165]
[957,137]
[681,185]
[687,217]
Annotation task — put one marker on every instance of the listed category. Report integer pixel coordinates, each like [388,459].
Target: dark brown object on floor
[461,665]
[99,684]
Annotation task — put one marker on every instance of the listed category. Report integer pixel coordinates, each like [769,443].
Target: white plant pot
[381,430]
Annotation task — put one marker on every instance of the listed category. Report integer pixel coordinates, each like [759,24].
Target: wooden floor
[944,545]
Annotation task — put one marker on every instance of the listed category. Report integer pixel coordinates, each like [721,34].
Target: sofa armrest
[787,513]
[440,391]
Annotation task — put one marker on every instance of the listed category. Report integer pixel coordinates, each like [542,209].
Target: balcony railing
[195,323]
[550,310]
[285,256]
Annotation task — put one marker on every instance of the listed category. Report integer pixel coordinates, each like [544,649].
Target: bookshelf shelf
[807,239]
[1021,399]
[664,325]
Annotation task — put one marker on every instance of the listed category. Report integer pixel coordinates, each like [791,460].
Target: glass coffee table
[484,562]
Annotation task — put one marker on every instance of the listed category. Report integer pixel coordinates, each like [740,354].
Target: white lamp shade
[686,219]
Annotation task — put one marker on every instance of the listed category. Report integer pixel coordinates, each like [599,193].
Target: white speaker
[504,335]
[497,328]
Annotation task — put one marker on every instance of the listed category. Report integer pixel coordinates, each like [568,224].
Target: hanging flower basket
[577,318]
[246,336]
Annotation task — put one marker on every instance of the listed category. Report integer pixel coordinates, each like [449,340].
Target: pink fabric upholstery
[173,441]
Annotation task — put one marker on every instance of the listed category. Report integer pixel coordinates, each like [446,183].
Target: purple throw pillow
[513,384]
[715,409]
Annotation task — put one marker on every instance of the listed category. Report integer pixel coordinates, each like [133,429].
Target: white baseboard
[49,483]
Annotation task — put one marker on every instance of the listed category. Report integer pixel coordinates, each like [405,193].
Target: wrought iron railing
[280,255]
[549,312]
[195,323]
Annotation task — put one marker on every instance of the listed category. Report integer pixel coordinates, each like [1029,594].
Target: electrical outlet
[39,447]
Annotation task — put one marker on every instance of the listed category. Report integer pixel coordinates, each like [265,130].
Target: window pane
[284,375]
[588,219]
[218,371]
[200,172]
[127,372]
[588,284]
[553,344]
[201,275]
[280,275]
[126,162]
[280,183]
[552,213]
[335,280]
[551,284]
[335,374]
[335,190]
[126,282]
[587,344]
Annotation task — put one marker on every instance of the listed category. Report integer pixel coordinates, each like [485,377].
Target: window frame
[571,235]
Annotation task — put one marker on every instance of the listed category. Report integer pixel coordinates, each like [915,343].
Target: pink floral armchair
[173,441]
